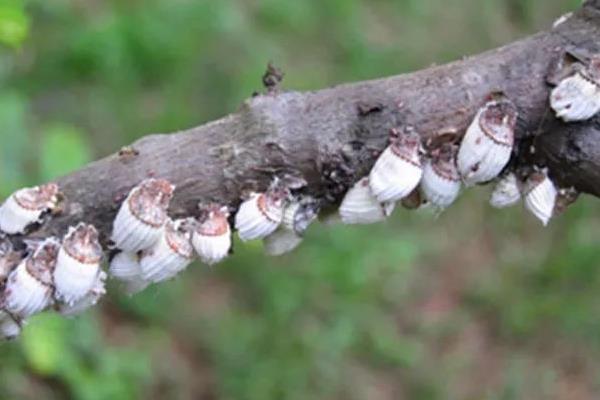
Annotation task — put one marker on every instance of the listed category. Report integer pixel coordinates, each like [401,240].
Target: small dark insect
[128,151]
[272,77]
[127,154]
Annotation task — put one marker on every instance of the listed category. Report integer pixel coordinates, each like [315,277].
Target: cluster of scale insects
[150,247]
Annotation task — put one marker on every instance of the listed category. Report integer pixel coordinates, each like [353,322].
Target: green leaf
[63,150]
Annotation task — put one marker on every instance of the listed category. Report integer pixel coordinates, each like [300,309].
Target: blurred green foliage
[474,304]
[64,149]
[14,23]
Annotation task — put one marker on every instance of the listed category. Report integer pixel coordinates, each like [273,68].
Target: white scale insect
[577,97]
[540,196]
[488,142]
[90,299]
[25,207]
[360,206]
[10,327]
[9,259]
[125,266]
[211,237]
[398,169]
[441,182]
[29,286]
[142,216]
[261,214]
[297,216]
[78,264]
[507,192]
[172,253]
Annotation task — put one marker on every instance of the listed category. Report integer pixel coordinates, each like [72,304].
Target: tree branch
[331,137]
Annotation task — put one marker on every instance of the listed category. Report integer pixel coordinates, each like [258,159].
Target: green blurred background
[474,304]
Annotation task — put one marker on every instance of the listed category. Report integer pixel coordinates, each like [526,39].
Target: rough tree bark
[331,137]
